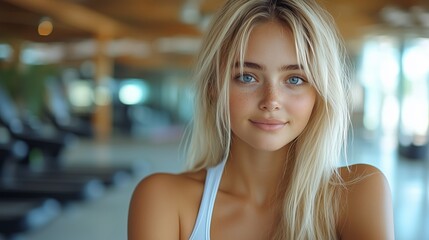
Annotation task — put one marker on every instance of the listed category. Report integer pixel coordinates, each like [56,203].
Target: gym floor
[106,218]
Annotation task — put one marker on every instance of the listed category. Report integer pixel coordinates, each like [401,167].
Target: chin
[263,144]
[269,146]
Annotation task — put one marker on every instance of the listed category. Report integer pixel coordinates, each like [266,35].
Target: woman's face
[270,100]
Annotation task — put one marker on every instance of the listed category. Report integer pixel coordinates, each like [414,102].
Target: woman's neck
[255,174]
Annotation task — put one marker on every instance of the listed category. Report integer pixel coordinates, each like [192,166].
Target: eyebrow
[262,67]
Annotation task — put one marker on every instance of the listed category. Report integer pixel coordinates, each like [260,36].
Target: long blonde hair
[311,201]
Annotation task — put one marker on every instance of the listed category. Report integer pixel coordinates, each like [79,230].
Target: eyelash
[299,78]
[240,76]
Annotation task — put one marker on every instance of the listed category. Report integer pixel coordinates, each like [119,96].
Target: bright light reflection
[81,94]
[133,91]
[5,51]
[379,76]
[36,53]
[390,114]
[414,116]
[415,113]
[416,64]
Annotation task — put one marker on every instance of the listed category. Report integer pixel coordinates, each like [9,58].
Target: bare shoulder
[358,171]
[156,204]
[368,211]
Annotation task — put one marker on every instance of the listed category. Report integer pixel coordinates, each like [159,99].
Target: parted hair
[311,197]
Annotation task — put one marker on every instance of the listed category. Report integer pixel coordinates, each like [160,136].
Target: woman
[269,128]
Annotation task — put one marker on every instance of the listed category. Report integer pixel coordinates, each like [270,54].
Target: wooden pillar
[102,119]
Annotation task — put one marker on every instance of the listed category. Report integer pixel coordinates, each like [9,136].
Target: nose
[270,100]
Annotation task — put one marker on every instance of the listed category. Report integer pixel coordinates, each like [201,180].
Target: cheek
[238,100]
[302,106]
[239,109]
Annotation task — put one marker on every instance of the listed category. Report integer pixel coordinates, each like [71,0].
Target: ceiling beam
[139,11]
[85,19]
[74,15]
[28,32]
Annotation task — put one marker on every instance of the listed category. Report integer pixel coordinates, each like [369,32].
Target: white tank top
[202,225]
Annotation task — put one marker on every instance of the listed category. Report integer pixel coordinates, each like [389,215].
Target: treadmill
[49,142]
[20,214]
[15,184]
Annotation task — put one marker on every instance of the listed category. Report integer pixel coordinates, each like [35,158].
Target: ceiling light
[45,27]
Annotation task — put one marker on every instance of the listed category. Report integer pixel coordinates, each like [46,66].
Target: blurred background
[96,94]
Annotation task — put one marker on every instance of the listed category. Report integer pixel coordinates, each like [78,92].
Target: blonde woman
[268,131]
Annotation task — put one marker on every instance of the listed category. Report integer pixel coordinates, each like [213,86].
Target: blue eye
[295,81]
[245,78]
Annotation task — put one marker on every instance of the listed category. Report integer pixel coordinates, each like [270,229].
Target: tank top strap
[201,229]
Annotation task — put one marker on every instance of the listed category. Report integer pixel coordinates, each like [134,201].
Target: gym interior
[95,95]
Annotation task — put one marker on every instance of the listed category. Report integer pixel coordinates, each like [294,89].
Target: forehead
[271,40]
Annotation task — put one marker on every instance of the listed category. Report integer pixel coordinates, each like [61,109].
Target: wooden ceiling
[151,20]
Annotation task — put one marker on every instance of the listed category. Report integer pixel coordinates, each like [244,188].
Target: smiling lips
[268,124]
